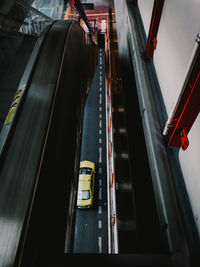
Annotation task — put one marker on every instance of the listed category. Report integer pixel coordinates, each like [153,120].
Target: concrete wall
[176,39]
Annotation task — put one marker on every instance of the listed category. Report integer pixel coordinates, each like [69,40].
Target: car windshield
[83,194]
[85,170]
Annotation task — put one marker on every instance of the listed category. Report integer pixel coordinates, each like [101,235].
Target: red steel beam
[154,25]
[188,104]
[187,117]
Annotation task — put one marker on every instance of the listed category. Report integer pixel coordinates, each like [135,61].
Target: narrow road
[91,228]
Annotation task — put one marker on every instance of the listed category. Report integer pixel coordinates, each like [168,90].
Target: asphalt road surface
[91,228]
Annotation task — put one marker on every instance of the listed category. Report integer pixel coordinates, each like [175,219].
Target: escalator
[40,147]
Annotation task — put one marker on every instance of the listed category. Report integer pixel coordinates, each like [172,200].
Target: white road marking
[100,78]
[100,108]
[100,131]
[100,182]
[100,193]
[100,99]
[100,154]
[100,123]
[100,244]
[100,140]
[100,224]
[100,170]
[100,89]
[100,72]
[100,116]
[100,210]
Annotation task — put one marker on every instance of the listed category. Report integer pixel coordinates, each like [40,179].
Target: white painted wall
[146,8]
[180,23]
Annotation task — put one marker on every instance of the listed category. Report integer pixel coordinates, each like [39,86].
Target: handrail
[20,92]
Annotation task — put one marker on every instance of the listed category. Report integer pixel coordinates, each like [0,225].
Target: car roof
[84,184]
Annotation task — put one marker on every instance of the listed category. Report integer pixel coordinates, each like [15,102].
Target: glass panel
[85,170]
[83,194]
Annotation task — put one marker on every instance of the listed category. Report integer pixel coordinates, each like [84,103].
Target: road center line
[100,154]
[100,98]
[100,210]
[100,224]
[100,244]
[100,123]
[100,193]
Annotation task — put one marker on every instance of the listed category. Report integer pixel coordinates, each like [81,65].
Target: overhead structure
[82,14]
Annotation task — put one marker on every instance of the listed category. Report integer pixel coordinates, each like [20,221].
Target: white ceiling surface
[178,29]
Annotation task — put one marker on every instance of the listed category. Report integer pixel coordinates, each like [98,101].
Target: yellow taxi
[86,184]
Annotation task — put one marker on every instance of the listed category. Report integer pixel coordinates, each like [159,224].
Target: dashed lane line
[100,210]
[100,182]
[100,98]
[100,224]
[100,154]
[100,123]
[100,244]
[100,193]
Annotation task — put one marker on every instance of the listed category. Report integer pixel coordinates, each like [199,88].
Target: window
[85,170]
[83,194]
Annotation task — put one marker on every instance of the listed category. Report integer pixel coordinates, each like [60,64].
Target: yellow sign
[14,105]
